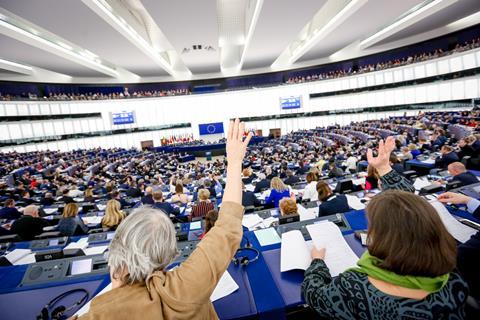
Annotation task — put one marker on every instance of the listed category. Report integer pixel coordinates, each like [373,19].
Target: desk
[419,166]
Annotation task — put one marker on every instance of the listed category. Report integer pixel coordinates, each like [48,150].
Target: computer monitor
[344,186]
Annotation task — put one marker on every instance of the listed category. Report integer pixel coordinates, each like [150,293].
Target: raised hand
[236,145]
[382,161]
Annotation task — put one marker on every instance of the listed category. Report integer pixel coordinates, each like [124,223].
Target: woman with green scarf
[408,270]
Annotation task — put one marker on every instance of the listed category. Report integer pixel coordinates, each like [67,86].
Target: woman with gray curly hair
[144,245]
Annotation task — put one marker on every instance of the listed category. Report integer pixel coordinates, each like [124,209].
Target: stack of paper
[95,250]
[355,203]
[251,221]
[421,183]
[429,161]
[250,187]
[80,244]
[457,229]
[92,220]
[101,207]
[307,214]
[20,256]
[50,210]
[295,252]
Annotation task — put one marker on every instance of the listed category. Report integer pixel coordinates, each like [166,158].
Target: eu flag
[210,128]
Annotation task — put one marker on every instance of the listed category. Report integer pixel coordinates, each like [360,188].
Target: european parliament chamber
[240,159]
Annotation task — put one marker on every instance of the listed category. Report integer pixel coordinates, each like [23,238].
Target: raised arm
[390,178]
[213,254]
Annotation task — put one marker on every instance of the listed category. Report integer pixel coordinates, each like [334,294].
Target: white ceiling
[185,23]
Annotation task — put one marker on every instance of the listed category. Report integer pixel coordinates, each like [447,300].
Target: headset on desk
[59,312]
[244,260]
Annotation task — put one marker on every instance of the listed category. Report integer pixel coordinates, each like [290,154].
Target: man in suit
[9,211]
[65,197]
[30,224]
[468,252]
[164,206]
[460,173]
[147,198]
[448,156]
[291,179]
[47,200]
[263,184]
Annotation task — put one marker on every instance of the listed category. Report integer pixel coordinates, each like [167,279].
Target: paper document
[355,203]
[429,161]
[95,250]
[50,210]
[294,253]
[101,207]
[28,259]
[80,244]
[359,181]
[307,214]
[86,306]
[250,187]
[225,286]
[17,254]
[269,221]
[339,256]
[421,183]
[92,220]
[457,229]
[251,220]
[267,236]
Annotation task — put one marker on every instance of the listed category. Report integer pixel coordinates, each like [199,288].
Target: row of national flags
[176,139]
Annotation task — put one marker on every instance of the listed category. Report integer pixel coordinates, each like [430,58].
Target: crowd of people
[422,271]
[468,45]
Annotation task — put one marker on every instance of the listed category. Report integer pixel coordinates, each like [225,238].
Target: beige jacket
[184,292]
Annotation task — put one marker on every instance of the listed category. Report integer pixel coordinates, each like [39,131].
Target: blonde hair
[113,214]
[203,194]
[89,192]
[70,210]
[278,184]
[288,206]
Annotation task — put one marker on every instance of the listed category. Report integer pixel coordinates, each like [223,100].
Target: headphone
[59,312]
[244,260]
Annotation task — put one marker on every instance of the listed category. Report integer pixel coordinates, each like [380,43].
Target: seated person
[263,184]
[65,197]
[448,156]
[201,208]
[460,173]
[113,215]
[210,219]
[396,164]
[351,163]
[9,212]
[144,245]
[288,206]
[115,195]
[335,172]
[465,148]
[179,196]
[413,150]
[248,198]
[331,204]
[407,155]
[148,198]
[164,206]
[371,180]
[247,176]
[400,268]
[71,224]
[30,224]
[310,191]
[89,196]
[468,252]
[47,199]
[26,198]
[278,191]
[291,178]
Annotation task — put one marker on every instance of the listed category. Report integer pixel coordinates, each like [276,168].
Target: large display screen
[291,102]
[123,117]
[210,128]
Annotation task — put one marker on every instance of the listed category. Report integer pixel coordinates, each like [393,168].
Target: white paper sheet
[457,229]
[339,256]
[17,254]
[86,306]
[101,207]
[268,222]
[92,220]
[50,210]
[307,214]
[294,253]
[80,244]
[251,220]
[355,203]
[249,187]
[225,286]
[267,236]
[429,161]
[359,181]
[421,183]
[28,259]
[95,250]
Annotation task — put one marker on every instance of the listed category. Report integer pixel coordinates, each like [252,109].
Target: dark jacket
[9,213]
[66,199]
[166,207]
[28,227]
[291,180]
[334,204]
[262,185]
[148,199]
[72,226]
[466,178]
[446,159]
[249,199]
[133,192]
[47,201]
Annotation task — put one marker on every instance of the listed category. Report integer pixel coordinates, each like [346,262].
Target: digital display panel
[291,102]
[81,267]
[123,117]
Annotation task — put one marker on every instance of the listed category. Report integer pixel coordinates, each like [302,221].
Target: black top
[249,199]
[148,199]
[9,213]
[352,296]
[466,178]
[334,204]
[291,180]
[262,185]
[27,227]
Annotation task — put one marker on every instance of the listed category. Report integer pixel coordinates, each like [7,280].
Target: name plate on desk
[45,243]
[64,269]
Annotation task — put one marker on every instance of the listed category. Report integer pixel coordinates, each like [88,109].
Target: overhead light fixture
[15,64]
[66,46]
[407,19]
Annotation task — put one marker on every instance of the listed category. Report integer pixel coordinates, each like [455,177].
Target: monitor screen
[53,242]
[123,117]
[195,225]
[81,267]
[291,102]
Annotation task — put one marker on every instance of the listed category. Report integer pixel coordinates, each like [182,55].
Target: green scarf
[368,264]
